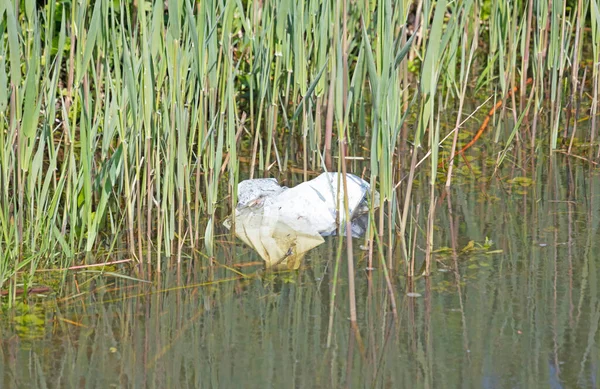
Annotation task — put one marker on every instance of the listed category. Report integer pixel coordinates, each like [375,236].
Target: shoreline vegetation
[125,127]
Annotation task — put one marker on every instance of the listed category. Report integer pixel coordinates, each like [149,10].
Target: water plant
[127,124]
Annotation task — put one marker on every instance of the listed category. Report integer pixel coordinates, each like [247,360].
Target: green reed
[126,122]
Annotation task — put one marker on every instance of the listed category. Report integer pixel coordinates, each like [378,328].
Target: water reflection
[524,317]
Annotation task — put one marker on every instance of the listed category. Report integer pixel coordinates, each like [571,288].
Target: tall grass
[125,121]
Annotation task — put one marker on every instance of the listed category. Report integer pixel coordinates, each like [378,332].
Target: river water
[516,305]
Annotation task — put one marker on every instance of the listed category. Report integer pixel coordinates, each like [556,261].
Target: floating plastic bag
[282,224]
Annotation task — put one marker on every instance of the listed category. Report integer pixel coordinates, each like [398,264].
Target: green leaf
[433,54]
[309,92]
[91,40]
[13,46]
[402,53]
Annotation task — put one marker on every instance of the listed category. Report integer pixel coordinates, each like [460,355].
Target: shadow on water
[522,312]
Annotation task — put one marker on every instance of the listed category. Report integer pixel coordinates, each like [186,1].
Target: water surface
[521,312]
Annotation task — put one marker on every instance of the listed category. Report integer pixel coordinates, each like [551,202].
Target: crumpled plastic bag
[282,224]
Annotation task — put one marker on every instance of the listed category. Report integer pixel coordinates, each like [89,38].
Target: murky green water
[523,317]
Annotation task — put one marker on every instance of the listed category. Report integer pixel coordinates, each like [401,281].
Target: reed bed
[132,122]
